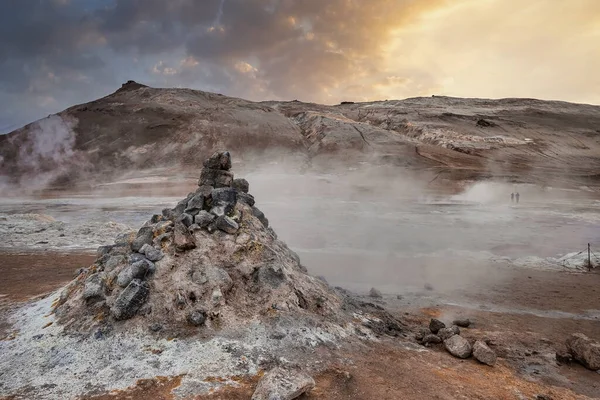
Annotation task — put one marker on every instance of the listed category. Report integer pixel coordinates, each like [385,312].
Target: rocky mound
[209,263]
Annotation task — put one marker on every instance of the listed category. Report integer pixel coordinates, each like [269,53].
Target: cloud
[312,50]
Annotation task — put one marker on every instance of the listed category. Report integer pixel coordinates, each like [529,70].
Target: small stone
[463,323]
[564,357]
[246,198]
[144,236]
[421,334]
[584,350]
[215,178]
[458,346]
[103,250]
[219,160]
[155,327]
[435,325]
[447,333]
[130,300]
[282,384]
[182,238]
[186,219]
[204,219]
[226,224]
[431,338]
[94,288]
[151,253]
[376,294]
[241,184]
[261,217]
[197,317]
[136,270]
[483,353]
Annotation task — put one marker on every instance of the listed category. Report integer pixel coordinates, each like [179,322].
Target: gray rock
[195,204]
[196,317]
[224,198]
[135,257]
[458,346]
[114,262]
[151,253]
[584,350]
[122,239]
[161,238]
[204,219]
[137,270]
[219,160]
[483,353]
[375,293]
[156,327]
[130,300]
[94,288]
[431,338]
[241,184]
[182,238]
[421,334]
[204,191]
[103,250]
[270,275]
[282,384]
[463,323]
[447,333]
[215,178]
[219,277]
[144,236]
[435,325]
[261,217]
[194,228]
[186,219]
[246,198]
[226,224]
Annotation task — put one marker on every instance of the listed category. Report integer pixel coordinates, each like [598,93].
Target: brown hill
[139,128]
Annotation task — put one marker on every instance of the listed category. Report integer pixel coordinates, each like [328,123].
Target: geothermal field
[392,265]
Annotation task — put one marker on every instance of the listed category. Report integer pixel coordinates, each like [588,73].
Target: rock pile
[209,262]
[455,344]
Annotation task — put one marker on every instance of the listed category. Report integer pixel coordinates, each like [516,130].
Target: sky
[58,53]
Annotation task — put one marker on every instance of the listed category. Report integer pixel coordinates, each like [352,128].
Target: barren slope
[138,128]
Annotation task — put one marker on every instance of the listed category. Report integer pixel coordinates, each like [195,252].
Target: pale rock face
[282,384]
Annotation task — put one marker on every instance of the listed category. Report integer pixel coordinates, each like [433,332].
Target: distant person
[512,197]
[517,197]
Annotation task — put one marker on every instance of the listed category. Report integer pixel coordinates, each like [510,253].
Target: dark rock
[114,262]
[543,397]
[421,334]
[156,327]
[104,250]
[168,214]
[135,257]
[196,317]
[195,204]
[261,217]
[458,346]
[485,123]
[223,201]
[182,238]
[564,357]
[375,293]
[186,219]
[130,300]
[137,270]
[584,350]
[463,323]
[241,184]
[270,275]
[204,219]
[122,239]
[246,198]
[94,288]
[483,353]
[204,191]
[447,333]
[226,224]
[215,178]
[151,253]
[156,218]
[144,236]
[219,160]
[431,339]
[435,325]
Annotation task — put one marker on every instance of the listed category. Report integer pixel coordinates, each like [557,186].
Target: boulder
[375,293]
[226,224]
[204,219]
[94,288]
[463,323]
[144,236]
[130,300]
[182,238]
[282,384]
[584,350]
[458,346]
[151,253]
[431,338]
[483,353]
[241,185]
[223,201]
[137,270]
[215,178]
[195,204]
[196,317]
[186,219]
[447,333]
[261,217]
[219,160]
[435,325]
[246,198]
